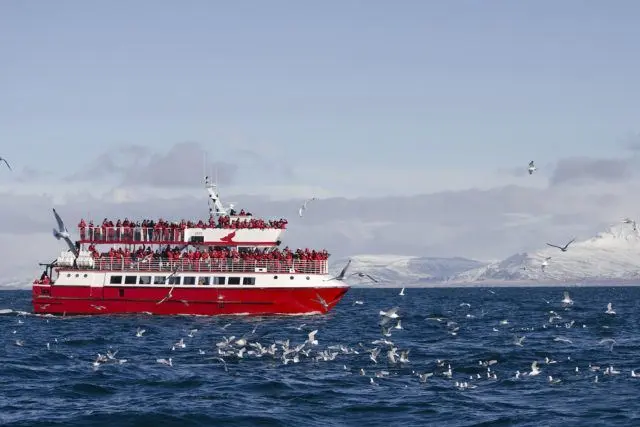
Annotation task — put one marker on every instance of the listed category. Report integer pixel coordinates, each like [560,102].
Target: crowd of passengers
[280,260]
[174,254]
[162,230]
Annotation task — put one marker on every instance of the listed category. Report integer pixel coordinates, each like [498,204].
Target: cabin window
[248,280]
[204,281]
[145,280]
[219,280]
[159,280]
[291,277]
[234,280]
[116,280]
[130,280]
[174,280]
[189,280]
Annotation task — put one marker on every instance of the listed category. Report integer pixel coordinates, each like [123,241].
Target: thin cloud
[632,142]
[474,223]
[117,161]
[182,165]
[585,170]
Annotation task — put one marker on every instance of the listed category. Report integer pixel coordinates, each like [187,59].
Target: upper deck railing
[157,235]
[131,234]
[208,266]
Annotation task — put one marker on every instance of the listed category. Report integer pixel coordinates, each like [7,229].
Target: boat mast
[215,206]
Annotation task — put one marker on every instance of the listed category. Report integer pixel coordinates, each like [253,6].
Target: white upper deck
[225,227]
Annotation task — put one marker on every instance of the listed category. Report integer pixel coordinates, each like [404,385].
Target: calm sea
[47,376]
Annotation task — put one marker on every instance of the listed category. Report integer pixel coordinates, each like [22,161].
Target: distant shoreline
[511,284]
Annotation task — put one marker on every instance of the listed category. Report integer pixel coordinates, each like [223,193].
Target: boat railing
[139,234]
[131,234]
[211,266]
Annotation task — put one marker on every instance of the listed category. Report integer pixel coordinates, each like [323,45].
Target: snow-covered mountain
[402,269]
[610,255]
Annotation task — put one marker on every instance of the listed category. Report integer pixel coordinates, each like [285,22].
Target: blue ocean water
[58,384]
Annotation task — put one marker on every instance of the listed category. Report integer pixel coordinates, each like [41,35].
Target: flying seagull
[562,248]
[304,206]
[342,273]
[360,274]
[545,263]
[630,221]
[532,167]
[62,232]
[2,159]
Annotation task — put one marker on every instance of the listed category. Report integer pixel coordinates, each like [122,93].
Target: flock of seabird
[381,359]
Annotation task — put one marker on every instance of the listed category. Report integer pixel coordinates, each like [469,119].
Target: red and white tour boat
[230,264]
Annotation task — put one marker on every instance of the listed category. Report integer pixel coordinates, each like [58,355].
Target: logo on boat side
[228,238]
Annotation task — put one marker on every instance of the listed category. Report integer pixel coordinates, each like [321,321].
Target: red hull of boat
[82,300]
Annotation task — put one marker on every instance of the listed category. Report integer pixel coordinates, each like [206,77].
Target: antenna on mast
[204,164]
[215,206]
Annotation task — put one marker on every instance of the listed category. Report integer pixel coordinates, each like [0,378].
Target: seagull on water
[140,331]
[2,159]
[312,338]
[62,232]
[610,309]
[534,369]
[167,362]
[391,313]
[304,206]
[553,380]
[532,167]
[562,248]
[567,299]
[374,355]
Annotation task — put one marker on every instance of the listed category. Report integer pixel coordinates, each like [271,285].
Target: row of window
[180,280]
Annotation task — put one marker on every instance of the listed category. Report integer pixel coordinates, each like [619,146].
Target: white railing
[142,234]
[213,266]
[131,234]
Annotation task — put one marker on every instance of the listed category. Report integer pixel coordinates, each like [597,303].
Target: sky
[118,106]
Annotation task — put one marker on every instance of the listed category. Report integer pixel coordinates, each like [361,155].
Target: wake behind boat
[230,264]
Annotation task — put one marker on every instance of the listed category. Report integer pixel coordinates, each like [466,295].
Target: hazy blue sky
[431,87]
[325,98]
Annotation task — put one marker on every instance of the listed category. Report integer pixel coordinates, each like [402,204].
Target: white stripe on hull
[259,280]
